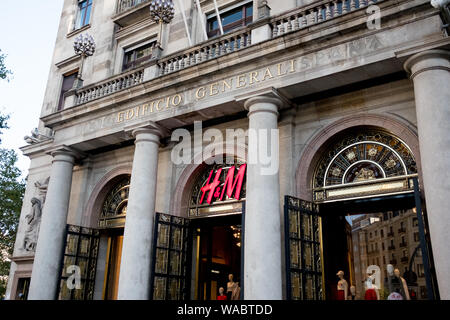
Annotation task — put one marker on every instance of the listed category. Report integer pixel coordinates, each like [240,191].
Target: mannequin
[402,284]
[221,295]
[231,286]
[396,285]
[371,289]
[342,286]
[236,293]
[353,292]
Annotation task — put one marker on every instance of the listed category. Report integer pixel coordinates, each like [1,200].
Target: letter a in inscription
[210,186]
[230,185]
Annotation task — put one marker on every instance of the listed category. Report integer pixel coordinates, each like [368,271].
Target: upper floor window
[137,56]
[67,84]
[232,19]
[84,13]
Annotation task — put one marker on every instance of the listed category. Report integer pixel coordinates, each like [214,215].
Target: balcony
[404,259]
[403,244]
[301,27]
[390,234]
[391,247]
[402,230]
[131,11]
[393,261]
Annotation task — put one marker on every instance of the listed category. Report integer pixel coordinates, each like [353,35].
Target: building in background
[355,94]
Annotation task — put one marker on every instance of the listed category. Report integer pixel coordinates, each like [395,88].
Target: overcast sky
[27,35]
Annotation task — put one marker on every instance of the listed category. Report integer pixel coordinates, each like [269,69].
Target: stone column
[262,264]
[135,268]
[49,249]
[430,71]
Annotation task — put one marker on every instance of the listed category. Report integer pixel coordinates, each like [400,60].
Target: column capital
[66,153]
[263,100]
[426,61]
[137,131]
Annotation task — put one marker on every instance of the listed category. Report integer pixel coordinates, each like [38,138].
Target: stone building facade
[354,92]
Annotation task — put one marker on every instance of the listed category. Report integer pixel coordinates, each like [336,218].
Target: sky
[28,31]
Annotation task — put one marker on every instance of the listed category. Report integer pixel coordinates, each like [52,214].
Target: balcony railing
[294,20]
[403,244]
[393,261]
[109,86]
[401,230]
[390,234]
[315,13]
[125,5]
[391,248]
[210,50]
[404,259]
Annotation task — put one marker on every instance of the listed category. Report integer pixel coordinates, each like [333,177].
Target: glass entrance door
[115,242]
[218,256]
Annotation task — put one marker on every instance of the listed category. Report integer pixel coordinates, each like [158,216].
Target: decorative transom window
[364,156]
[115,205]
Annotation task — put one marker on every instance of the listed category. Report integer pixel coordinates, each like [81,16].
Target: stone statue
[33,219]
[33,222]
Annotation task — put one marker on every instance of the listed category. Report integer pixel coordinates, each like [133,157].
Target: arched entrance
[195,251]
[362,222]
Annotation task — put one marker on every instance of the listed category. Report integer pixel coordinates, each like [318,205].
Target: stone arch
[312,152]
[94,205]
[180,199]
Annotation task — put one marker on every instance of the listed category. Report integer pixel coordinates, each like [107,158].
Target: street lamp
[84,47]
[161,11]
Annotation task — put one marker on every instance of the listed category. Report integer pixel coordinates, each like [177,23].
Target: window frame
[62,92]
[82,15]
[136,63]
[244,21]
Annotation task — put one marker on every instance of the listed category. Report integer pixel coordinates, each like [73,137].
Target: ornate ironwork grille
[81,251]
[114,208]
[171,258]
[303,250]
[363,156]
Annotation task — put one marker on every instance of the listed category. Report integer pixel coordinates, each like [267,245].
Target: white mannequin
[231,286]
[369,284]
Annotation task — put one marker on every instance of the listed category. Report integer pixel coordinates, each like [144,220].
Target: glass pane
[310,287]
[159,292]
[161,261]
[231,17]
[79,293]
[293,224]
[163,235]
[83,264]
[64,293]
[306,227]
[296,286]
[72,243]
[175,263]
[308,256]
[84,246]
[177,238]
[68,261]
[174,289]
[295,254]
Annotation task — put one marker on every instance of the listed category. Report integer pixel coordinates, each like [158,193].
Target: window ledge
[77,31]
